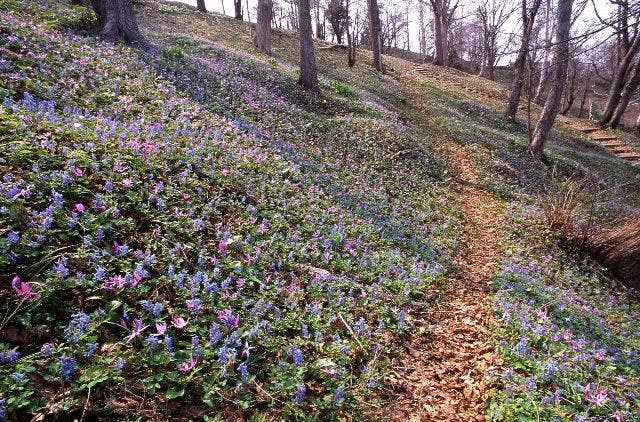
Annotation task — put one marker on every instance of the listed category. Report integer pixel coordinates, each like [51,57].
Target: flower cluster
[568,337]
[192,225]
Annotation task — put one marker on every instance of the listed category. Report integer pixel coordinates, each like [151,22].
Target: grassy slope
[245,144]
[235,195]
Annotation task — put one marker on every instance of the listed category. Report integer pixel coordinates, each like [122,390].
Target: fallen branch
[351,332]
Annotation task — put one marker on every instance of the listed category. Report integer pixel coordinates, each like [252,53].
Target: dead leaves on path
[443,376]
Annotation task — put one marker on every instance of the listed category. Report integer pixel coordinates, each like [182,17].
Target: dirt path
[444,375]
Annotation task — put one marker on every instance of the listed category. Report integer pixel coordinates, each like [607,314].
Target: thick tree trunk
[618,82]
[308,73]
[619,251]
[117,22]
[262,39]
[237,6]
[560,64]
[376,34]
[201,6]
[625,97]
[528,19]
[445,38]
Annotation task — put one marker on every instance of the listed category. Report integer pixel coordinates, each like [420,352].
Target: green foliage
[344,90]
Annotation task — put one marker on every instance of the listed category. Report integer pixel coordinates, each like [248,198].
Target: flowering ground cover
[193,228]
[569,336]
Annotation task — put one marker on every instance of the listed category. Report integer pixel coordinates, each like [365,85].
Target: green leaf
[172,393]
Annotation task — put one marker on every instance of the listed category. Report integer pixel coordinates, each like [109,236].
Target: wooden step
[604,138]
[588,129]
[612,144]
[618,147]
[632,156]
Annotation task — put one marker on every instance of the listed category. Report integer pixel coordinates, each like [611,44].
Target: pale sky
[586,22]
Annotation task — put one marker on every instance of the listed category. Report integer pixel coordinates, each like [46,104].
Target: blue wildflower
[67,367]
[91,349]
[101,273]
[61,267]
[13,236]
[296,354]
[19,377]
[10,356]
[214,334]
[46,349]
[522,348]
[77,326]
[243,371]
[120,363]
[530,384]
[152,341]
[301,390]
[168,343]
[337,396]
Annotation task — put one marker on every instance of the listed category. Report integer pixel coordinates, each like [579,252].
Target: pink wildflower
[188,365]
[178,322]
[23,289]
[161,328]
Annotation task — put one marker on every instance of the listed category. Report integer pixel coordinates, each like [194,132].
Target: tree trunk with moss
[201,6]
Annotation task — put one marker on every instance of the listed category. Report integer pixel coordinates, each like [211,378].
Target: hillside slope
[192,234]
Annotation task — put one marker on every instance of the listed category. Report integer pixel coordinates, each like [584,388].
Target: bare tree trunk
[570,90]
[439,56]
[246,3]
[445,38]
[262,38]
[625,97]
[201,6]
[584,94]
[544,70]
[485,50]
[560,63]
[637,125]
[117,22]
[422,35]
[308,72]
[237,5]
[222,3]
[528,19]
[351,40]
[617,83]
[376,35]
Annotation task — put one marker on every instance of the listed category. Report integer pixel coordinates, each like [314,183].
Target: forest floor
[195,235]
